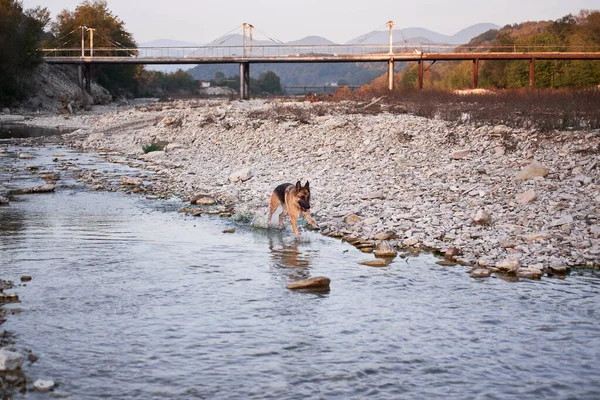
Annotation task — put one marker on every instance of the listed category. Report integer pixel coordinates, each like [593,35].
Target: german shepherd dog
[295,201]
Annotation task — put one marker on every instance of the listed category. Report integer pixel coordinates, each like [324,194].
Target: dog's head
[302,196]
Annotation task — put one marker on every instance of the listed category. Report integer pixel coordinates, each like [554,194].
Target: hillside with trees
[21,31]
[571,33]
[299,73]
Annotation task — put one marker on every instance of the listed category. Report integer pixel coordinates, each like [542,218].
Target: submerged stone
[378,262]
[318,282]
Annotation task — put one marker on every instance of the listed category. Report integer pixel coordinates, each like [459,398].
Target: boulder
[535,236]
[460,154]
[318,282]
[535,169]
[352,219]
[482,218]
[565,219]
[526,197]
[373,195]
[480,273]
[510,264]
[530,273]
[10,360]
[386,236]
[203,200]
[452,252]
[128,180]
[384,249]
[49,187]
[378,262]
[241,175]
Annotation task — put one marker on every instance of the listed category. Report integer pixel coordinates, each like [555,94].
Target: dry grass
[544,110]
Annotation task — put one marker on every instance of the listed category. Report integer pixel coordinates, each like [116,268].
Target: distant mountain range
[355,74]
[422,35]
[412,35]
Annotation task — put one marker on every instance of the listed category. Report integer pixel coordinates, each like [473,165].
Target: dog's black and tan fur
[295,202]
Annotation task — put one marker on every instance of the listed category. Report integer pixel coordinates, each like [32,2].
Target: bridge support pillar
[88,78]
[244,80]
[420,78]
[80,76]
[390,72]
[475,73]
[85,77]
[532,73]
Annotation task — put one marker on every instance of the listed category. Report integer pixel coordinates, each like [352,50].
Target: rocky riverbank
[492,197]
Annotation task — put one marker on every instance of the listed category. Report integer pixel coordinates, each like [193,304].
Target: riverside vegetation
[499,198]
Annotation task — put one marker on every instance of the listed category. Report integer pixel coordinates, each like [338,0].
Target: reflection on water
[8,131]
[288,256]
[130,300]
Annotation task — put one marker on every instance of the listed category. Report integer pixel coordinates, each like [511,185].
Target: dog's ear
[306,186]
[298,186]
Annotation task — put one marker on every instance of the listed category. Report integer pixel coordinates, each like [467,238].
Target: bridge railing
[262,51]
[280,51]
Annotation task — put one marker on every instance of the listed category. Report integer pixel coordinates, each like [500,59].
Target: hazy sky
[202,21]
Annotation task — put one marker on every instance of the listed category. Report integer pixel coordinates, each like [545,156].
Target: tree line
[24,31]
[570,33]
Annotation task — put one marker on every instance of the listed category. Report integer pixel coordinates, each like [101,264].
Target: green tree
[269,82]
[20,35]
[109,32]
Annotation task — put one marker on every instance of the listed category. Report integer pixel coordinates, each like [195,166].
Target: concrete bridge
[246,54]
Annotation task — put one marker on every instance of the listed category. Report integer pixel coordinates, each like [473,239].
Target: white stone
[10,360]
[43,385]
[526,197]
[241,175]
[531,171]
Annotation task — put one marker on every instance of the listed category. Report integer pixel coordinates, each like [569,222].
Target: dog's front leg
[310,219]
[293,219]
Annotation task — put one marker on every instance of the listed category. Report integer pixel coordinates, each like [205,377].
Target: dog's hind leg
[273,204]
[284,212]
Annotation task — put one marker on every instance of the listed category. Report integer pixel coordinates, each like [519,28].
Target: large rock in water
[10,360]
[318,282]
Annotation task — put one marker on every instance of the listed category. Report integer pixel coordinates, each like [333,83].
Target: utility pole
[82,40]
[390,71]
[247,28]
[91,30]
[390,24]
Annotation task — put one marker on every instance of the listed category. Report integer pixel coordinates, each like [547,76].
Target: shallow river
[131,300]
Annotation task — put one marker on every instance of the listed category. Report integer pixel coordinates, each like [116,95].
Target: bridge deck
[321,58]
